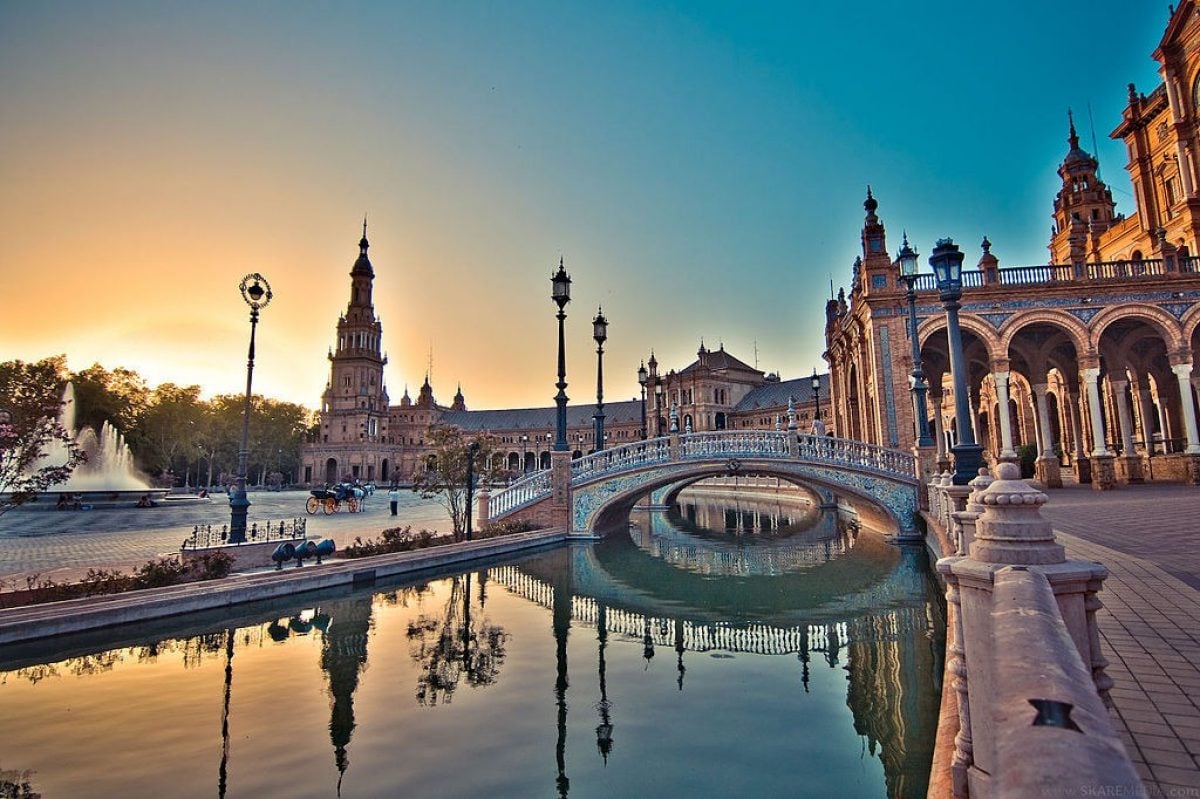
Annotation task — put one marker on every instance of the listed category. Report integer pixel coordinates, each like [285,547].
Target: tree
[444,476]
[170,426]
[30,403]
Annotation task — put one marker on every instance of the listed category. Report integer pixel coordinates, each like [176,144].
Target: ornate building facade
[361,436]
[1090,358]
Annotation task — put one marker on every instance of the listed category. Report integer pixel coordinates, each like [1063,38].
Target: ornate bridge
[588,494]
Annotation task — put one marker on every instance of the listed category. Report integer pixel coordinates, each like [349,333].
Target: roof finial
[363,244]
[870,203]
[1073,138]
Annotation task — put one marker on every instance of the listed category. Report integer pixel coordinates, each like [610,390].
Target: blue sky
[700,166]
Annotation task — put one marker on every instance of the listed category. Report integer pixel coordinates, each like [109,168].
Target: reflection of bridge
[682,635]
[701,553]
[590,493]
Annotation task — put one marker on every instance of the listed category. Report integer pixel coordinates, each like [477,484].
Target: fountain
[109,478]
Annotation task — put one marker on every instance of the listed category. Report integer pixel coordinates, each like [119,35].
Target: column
[1125,422]
[1091,379]
[939,425]
[1183,373]
[1006,440]
[1045,442]
[1145,414]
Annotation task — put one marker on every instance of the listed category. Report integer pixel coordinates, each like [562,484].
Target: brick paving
[63,545]
[1147,536]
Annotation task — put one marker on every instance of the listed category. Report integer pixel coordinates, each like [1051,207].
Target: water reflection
[669,663]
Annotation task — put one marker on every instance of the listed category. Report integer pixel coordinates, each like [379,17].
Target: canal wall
[88,613]
[1025,693]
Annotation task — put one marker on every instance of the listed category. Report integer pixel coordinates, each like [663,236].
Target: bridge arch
[604,505]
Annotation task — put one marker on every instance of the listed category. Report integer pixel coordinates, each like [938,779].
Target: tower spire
[1072,137]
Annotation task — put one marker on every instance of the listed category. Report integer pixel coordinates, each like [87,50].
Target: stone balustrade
[1023,649]
[527,490]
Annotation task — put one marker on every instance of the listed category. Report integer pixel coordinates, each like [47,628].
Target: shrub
[510,527]
[1027,453]
[159,573]
[393,539]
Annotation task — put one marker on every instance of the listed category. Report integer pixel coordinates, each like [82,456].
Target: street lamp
[524,461]
[472,451]
[946,261]
[642,377]
[658,398]
[256,291]
[600,334]
[816,387]
[561,295]
[908,273]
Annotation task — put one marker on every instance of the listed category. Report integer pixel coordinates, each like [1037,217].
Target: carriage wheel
[313,505]
[353,504]
[331,505]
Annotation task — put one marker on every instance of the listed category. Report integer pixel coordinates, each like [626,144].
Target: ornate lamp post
[561,295]
[472,451]
[642,377]
[600,334]
[658,398]
[256,291]
[908,273]
[524,460]
[816,387]
[946,261]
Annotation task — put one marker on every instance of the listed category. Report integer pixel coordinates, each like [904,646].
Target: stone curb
[88,613]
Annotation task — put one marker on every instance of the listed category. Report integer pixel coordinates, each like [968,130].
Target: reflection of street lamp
[256,291]
[908,273]
[642,376]
[561,295]
[600,334]
[472,451]
[946,261]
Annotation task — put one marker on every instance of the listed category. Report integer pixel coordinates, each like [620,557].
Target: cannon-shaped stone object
[284,552]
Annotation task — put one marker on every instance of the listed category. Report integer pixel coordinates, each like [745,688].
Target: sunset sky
[700,166]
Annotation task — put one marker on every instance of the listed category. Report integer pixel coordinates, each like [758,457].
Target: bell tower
[1083,208]
[355,405]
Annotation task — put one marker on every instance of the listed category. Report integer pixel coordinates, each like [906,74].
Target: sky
[699,166]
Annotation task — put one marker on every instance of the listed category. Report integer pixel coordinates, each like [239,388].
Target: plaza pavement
[1149,538]
[63,544]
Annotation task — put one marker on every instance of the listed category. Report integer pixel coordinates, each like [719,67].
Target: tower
[354,408]
[1083,208]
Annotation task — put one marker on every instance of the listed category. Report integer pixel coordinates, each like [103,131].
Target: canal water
[744,643]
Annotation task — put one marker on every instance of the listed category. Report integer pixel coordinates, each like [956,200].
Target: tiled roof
[540,420]
[775,395]
[718,360]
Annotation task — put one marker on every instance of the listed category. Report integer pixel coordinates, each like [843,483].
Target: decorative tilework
[995,319]
[889,398]
[1084,315]
[1176,309]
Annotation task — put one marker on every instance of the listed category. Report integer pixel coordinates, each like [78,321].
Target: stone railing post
[483,513]
[560,489]
[964,520]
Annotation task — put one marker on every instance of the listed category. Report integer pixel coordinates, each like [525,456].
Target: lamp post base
[967,460]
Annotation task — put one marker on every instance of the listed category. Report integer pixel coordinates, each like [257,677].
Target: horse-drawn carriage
[330,499]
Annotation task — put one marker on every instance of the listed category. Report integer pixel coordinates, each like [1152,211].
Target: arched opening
[385,470]
[720,420]
[514,462]
[545,459]
[530,462]
[331,471]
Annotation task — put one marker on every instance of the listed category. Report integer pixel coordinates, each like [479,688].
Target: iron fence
[210,535]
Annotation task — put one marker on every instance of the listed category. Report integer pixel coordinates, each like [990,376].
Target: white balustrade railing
[523,492]
[730,444]
[858,454]
[619,459]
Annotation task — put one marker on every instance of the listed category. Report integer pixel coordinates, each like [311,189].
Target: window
[1171,192]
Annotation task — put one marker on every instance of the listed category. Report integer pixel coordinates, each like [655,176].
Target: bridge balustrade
[860,455]
[725,444]
[523,492]
[627,456]
[1046,274]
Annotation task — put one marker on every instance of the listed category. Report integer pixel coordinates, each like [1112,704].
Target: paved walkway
[63,545]
[1149,538]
